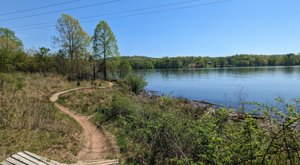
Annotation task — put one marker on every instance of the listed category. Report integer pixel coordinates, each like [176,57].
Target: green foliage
[120,107]
[125,69]
[135,83]
[112,67]
[71,36]
[12,56]
[105,45]
[162,130]
[9,41]
[165,130]
[243,60]
[74,41]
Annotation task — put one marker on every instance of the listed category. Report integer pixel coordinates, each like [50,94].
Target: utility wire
[133,10]
[57,11]
[116,13]
[140,14]
[172,9]
[145,8]
[156,11]
[37,8]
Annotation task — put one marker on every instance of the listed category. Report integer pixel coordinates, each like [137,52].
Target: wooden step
[28,158]
[98,162]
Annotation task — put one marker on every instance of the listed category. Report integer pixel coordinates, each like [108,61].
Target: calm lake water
[226,85]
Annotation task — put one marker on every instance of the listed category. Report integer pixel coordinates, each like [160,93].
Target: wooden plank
[24,160]
[13,161]
[6,163]
[99,161]
[42,159]
[104,162]
[108,163]
[30,158]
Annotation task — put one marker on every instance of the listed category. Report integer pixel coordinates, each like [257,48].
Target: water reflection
[262,84]
[248,71]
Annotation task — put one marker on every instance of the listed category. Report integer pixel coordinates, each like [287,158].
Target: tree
[72,38]
[104,44]
[9,41]
[42,59]
[60,63]
[10,44]
[289,59]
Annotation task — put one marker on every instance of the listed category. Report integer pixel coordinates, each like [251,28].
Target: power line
[120,12]
[146,8]
[37,8]
[143,13]
[133,10]
[158,11]
[57,11]
[172,9]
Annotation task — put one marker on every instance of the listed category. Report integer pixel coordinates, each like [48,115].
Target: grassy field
[29,121]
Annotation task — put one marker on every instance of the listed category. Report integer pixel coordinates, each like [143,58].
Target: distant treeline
[75,59]
[242,60]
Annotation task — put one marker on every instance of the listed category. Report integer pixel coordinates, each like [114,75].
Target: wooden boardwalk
[27,158]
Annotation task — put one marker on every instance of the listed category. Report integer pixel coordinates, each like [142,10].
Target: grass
[165,130]
[86,102]
[124,103]
[29,121]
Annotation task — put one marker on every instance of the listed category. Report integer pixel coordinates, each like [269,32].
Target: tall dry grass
[29,121]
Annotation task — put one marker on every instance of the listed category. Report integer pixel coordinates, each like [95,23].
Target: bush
[125,69]
[135,83]
[121,106]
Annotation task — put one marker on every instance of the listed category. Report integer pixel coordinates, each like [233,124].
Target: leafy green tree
[71,35]
[42,59]
[223,61]
[72,38]
[9,41]
[105,44]
[10,44]
[289,59]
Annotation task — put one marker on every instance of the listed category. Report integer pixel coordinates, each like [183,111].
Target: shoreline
[196,103]
[225,67]
[234,115]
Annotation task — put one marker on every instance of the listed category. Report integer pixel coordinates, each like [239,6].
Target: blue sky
[221,29]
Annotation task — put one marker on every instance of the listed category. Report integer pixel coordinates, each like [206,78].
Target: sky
[158,28]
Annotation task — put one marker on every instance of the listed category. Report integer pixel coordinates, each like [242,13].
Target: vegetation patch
[164,130]
[28,121]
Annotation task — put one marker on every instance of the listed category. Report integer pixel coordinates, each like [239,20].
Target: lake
[225,86]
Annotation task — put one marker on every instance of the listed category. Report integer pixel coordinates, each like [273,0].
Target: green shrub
[121,106]
[125,69]
[165,130]
[135,83]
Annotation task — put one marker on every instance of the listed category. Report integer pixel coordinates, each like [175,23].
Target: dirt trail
[96,145]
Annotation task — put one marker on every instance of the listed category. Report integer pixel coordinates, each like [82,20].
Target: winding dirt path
[96,145]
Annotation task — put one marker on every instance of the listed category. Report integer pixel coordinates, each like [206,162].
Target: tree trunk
[104,69]
[104,63]
[94,71]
